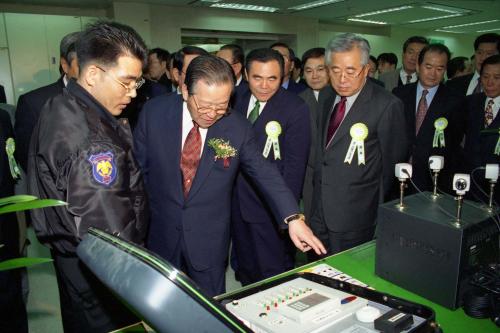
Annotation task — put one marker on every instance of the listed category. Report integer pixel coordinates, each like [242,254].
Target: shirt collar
[431,91]
[78,91]
[285,84]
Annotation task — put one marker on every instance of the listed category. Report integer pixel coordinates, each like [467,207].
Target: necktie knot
[408,78]
[425,92]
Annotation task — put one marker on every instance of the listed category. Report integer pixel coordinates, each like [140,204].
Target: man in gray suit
[316,77]
[362,138]
[408,73]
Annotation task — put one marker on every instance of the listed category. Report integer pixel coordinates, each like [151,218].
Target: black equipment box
[421,249]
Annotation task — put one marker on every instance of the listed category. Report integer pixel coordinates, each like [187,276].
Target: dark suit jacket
[28,110]
[316,110]
[479,147]
[460,84]
[202,219]
[295,87]
[350,193]
[294,141]
[446,103]
[3,98]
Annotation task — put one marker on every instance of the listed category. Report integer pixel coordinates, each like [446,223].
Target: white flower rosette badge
[273,131]
[359,132]
[440,124]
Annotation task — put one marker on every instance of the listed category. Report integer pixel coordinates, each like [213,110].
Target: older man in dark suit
[485,46]
[482,126]
[282,133]
[432,108]
[190,150]
[30,104]
[362,138]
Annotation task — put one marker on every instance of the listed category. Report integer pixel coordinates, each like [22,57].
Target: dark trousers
[86,304]
[262,249]
[212,280]
[336,242]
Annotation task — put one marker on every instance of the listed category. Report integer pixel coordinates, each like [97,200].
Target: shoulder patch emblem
[103,167]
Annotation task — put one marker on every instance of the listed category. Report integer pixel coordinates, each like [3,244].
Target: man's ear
[185,93]
[91,75]
[175,72]
[64,65]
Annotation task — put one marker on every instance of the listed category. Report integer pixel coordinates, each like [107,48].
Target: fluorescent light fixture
[446,9]
[366,21]
[488,30]
[451,32]
[434,18]
[314,4]
[469,24]
[211,1]
[383,11]
[245,7]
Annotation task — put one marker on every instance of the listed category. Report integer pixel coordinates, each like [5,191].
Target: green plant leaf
[16,199]
[22,262]
[33,204]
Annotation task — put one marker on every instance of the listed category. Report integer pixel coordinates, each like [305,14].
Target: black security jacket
[81,154]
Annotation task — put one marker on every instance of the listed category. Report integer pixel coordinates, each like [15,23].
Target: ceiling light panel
[383,11]
[353,19]
[314,4]
[239,6]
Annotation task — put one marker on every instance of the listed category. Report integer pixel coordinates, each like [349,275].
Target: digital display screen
[308,302]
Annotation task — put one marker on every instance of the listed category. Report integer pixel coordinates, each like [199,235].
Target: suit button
[325,163]
[178,228]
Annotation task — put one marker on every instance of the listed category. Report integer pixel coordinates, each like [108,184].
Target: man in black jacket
[81,154]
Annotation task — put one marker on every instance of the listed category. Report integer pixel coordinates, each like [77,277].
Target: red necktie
[336,119]
[421,111]
[190,157]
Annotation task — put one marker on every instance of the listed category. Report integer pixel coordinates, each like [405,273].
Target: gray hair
[345,43]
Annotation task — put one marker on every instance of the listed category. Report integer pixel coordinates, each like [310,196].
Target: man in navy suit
[30,104]
[190,149]
[482,114]
[288,56]
[262,250]
[427,104]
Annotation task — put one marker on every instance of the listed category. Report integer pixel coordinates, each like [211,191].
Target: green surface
[359,262]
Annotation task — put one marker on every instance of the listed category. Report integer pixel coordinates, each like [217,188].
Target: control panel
[297,306]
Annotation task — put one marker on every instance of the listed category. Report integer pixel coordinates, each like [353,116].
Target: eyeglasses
[208,109]
[136,84]
[348,73]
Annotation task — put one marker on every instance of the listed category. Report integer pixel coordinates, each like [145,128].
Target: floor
[43,301]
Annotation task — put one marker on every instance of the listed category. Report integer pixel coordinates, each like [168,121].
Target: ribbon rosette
[273,131]
[222,149]
[10,148]
[440,124]
[359,132]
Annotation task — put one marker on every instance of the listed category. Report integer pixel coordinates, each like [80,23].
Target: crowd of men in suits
[225,147]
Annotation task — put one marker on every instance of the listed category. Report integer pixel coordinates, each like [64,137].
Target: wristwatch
[294,217]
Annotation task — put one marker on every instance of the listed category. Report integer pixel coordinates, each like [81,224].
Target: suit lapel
[207,160]
[173,134]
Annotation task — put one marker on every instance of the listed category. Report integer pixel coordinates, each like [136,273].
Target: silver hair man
[345,43]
